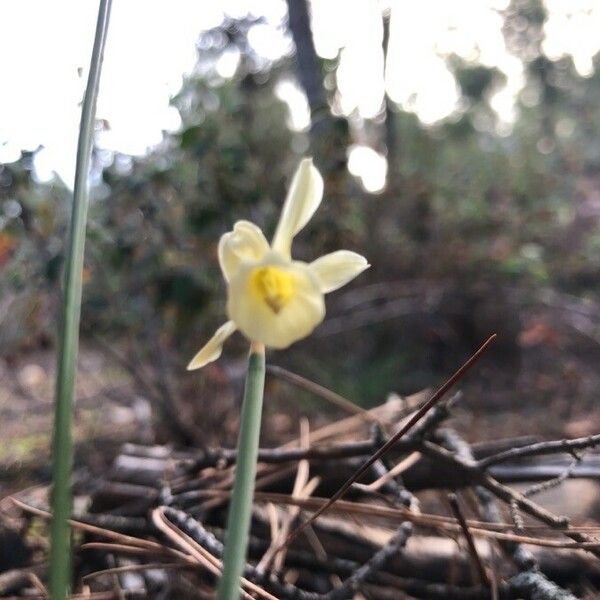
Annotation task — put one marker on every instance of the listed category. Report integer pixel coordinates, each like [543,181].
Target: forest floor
[118,406]
[554,395]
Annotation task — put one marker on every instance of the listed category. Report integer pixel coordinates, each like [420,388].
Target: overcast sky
[151,47]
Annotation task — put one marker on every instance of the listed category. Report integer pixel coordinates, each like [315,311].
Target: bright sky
[151,47]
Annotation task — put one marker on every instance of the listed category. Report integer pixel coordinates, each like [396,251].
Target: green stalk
[62,451]
[240,508]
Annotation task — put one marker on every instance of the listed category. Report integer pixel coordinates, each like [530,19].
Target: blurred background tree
[479,226]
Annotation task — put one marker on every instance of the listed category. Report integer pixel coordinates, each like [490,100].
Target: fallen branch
[541,448]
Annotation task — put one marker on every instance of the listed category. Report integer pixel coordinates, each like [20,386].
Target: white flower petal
[212,349]
[337,269]
[245,242]
[258,320]
[303,199]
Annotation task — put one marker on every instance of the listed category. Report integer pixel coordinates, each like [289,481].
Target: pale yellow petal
[212,349]
[303,199]
[337,269]
[280,326]
[245,243]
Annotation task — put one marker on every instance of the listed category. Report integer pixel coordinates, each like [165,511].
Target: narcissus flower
[271,298]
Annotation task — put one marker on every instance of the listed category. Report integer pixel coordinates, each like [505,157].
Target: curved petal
[303,199]
[212,349]
[337,269]
[276,326]
[245,242]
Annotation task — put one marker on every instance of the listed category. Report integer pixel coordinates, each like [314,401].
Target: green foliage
[475,81]
[468,201]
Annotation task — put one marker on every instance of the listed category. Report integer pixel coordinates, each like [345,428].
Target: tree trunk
[307,61]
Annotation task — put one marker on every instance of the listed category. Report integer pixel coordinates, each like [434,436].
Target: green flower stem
[240,508]
[62,451]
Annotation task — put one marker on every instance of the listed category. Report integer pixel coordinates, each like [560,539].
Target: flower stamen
[274,286]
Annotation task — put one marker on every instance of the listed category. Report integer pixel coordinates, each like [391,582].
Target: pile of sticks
[155,524]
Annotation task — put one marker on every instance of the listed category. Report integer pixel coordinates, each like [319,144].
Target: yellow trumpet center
[273,285]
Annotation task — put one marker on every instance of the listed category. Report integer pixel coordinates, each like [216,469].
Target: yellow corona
[273,286]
